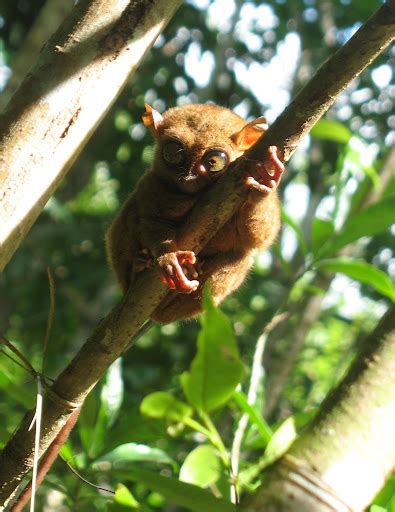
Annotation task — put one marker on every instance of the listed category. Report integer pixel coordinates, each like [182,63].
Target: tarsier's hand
[177,271]
[269,172]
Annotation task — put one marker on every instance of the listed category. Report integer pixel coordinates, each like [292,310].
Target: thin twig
[256,378]
[83,479]
[51,314]
[19,354]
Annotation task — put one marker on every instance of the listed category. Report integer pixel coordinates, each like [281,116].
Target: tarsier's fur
[151,216]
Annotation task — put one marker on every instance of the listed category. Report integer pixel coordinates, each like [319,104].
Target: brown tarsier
[194,146]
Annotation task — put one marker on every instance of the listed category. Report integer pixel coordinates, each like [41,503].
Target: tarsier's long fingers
[189,270]
[167,280]
[172,274]
[269,173]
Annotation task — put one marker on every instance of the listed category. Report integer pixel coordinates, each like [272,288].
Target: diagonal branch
[114,332]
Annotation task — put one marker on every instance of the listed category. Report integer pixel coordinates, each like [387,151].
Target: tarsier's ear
[250,133]
[152,118]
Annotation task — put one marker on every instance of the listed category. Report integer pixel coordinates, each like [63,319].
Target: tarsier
[194,146]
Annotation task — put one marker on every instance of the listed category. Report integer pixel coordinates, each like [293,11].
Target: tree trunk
[344,457]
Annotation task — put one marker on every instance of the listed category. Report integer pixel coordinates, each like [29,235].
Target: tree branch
[79,74]
[114,332]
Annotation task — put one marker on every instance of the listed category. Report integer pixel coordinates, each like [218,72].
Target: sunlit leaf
[331,130]
[216,369]
[281,440]
[163,405]
[385,499]
[127,453]
[125,498]
[112,392]
[201,467]
[361,271]
[180,493]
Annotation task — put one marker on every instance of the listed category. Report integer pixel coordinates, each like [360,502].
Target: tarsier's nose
[201,170]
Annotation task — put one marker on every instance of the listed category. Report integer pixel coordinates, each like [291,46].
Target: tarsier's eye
[215,160]
[173,153]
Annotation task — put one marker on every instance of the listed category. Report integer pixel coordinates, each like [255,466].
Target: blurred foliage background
[252,57]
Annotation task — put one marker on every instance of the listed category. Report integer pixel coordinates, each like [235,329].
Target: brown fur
[152,214]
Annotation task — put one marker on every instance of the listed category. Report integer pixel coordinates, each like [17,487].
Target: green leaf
[163,405]
[201,467]
[372,220]
[216,369]
[87,419]
[123,455]
[111,397]
[281,440]
[125,498]
[180,493]
[255,418]
[386,497]
[361,271]
[331,130]
[321,231]
[298,232]
[67,452]
[376,508]
[112,392]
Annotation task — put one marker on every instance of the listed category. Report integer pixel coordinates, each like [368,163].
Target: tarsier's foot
[143,260]
[269,172]
[177,271]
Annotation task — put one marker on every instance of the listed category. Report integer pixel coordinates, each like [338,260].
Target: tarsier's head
[196,143]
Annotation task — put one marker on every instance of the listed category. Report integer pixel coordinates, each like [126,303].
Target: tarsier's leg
[225,273]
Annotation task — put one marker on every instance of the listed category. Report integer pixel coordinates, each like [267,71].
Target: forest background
[251,57]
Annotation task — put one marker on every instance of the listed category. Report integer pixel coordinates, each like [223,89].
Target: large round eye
[215,160]
[173,153]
